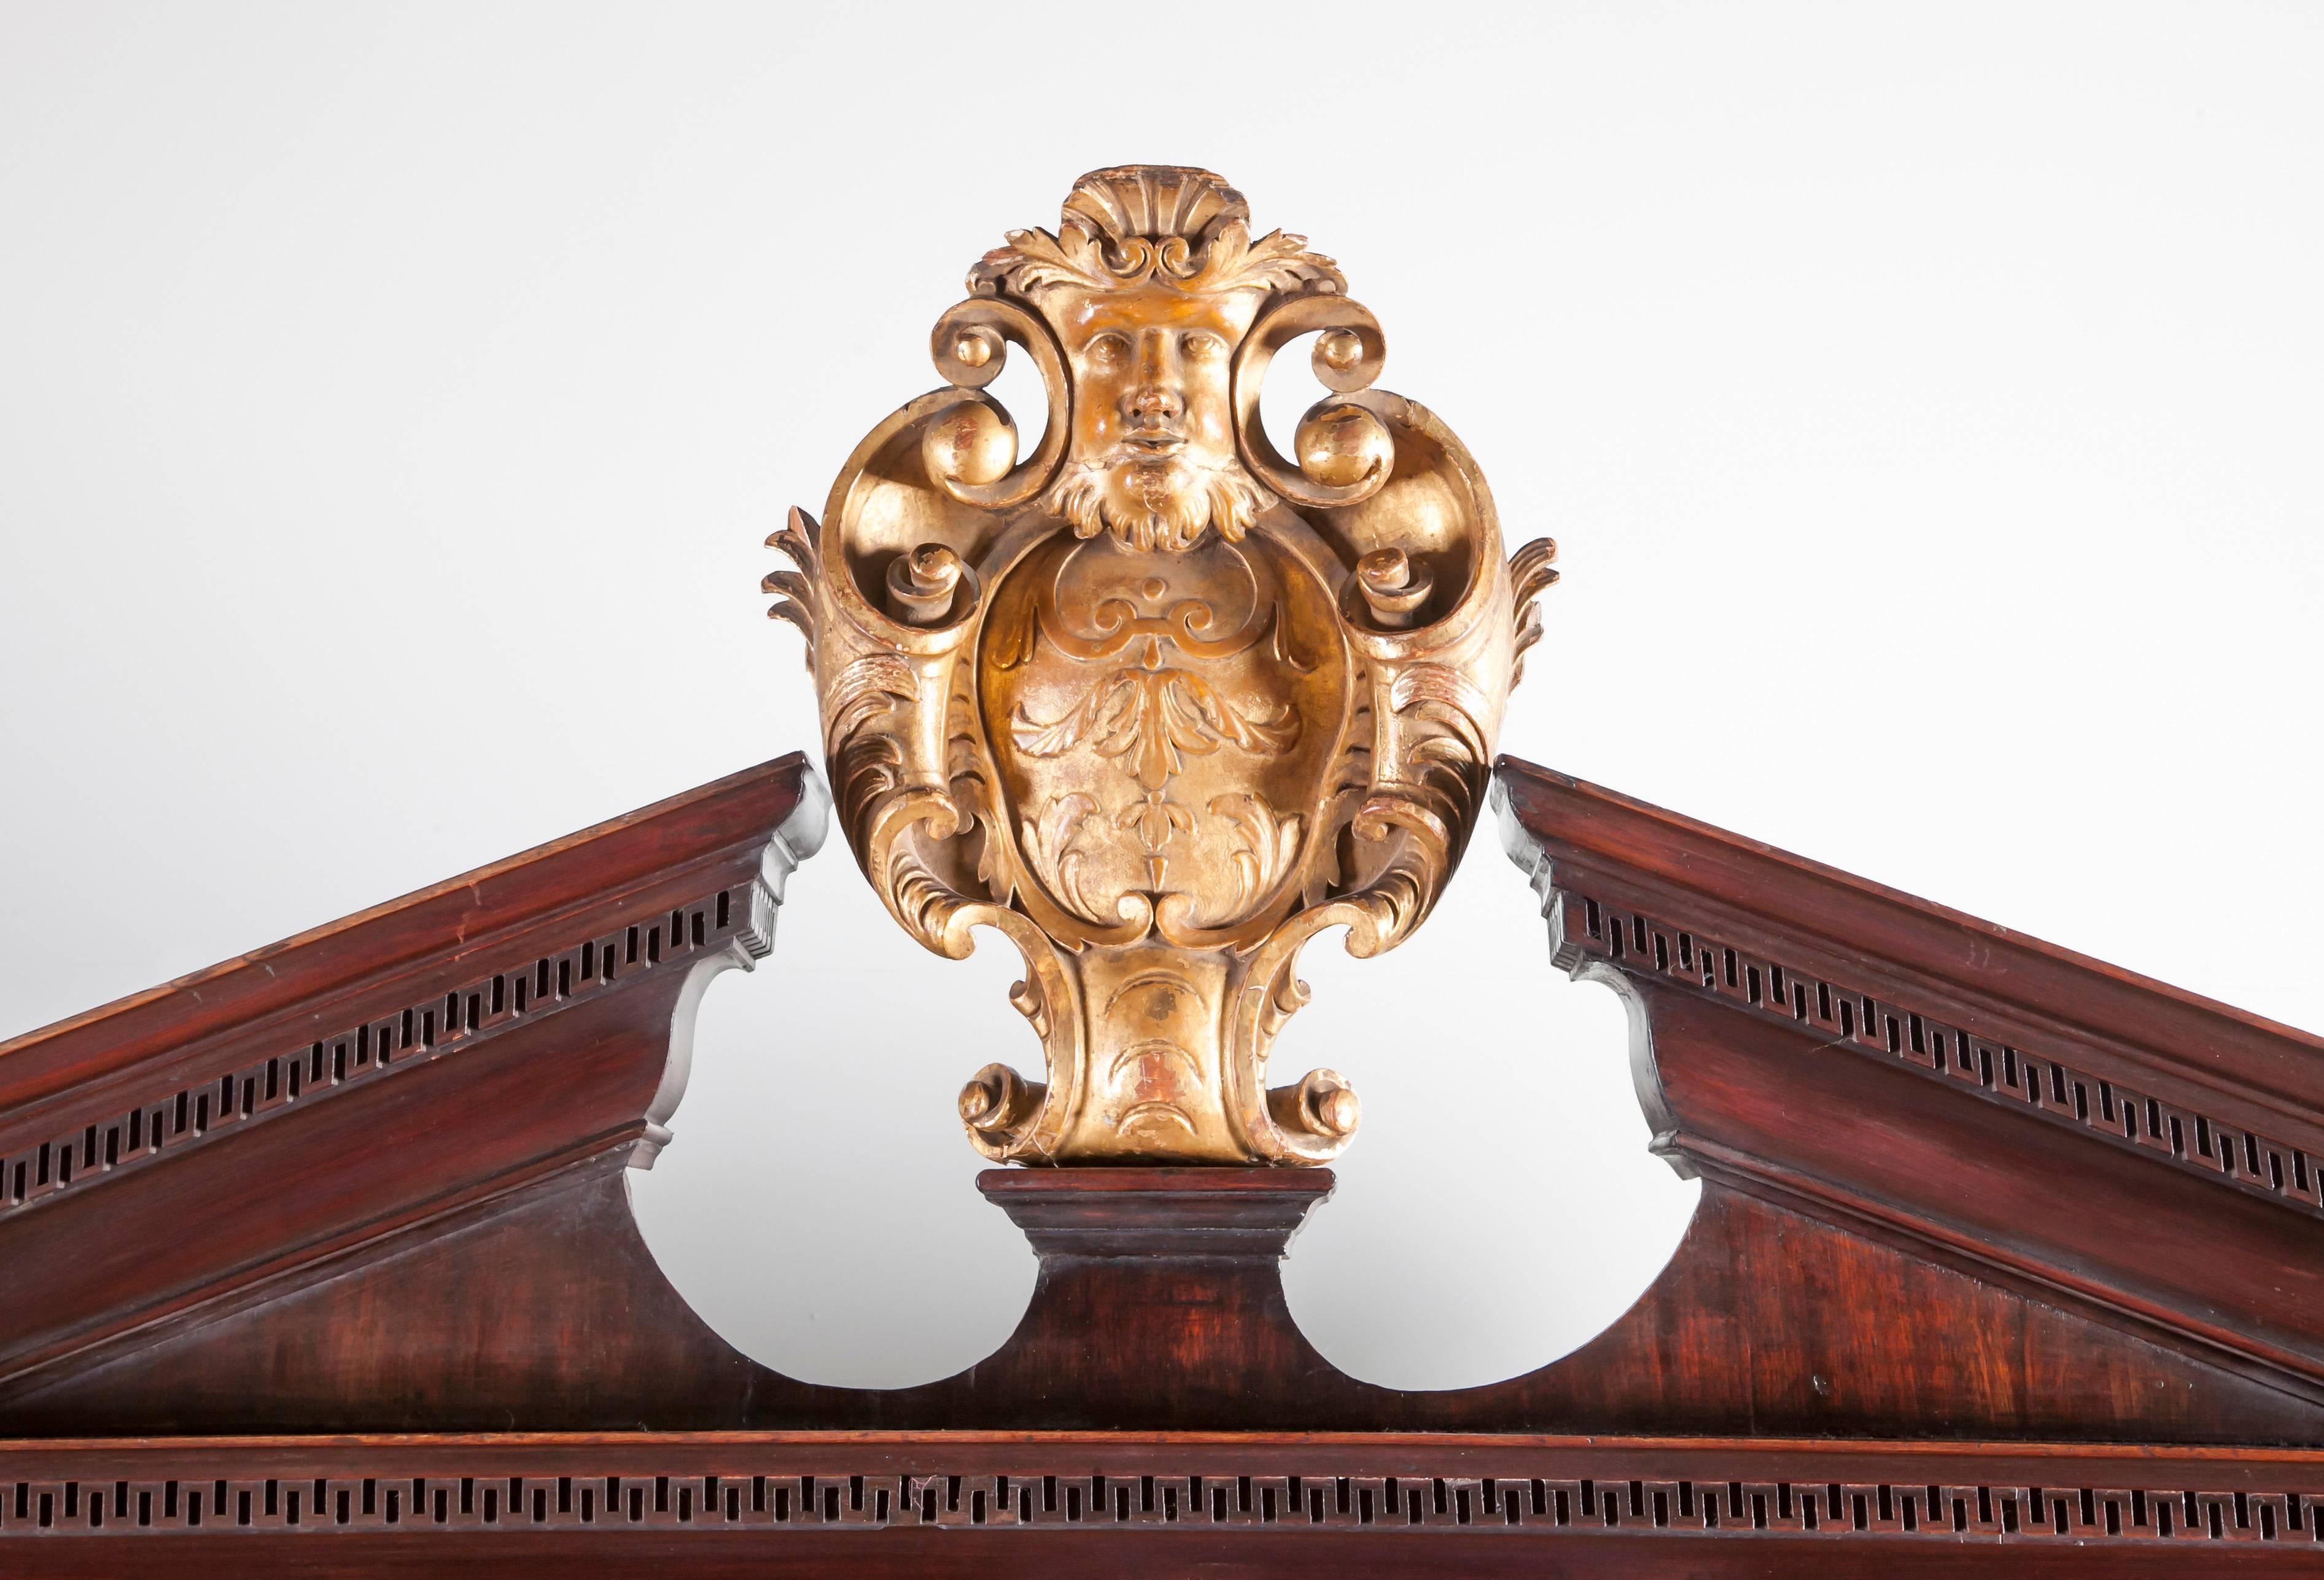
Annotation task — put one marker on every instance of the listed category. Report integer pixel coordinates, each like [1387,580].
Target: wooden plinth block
[1205,1214]
[1159,1287]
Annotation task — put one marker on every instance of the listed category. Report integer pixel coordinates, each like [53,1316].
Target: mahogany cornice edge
[1565,831]
[597,863]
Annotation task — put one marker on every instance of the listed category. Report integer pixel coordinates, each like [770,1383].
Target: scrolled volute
[969,346]
[1350,352]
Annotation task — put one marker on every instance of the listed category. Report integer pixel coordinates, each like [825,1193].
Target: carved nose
[1156,403]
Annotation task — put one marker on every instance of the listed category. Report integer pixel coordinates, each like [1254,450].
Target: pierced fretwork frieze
[457,1018]
[1646,948]
[483,1501]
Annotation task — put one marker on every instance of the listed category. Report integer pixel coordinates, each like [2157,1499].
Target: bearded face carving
[1153,458]
[1156,703]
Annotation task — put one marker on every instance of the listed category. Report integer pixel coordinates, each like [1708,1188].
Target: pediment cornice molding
[1905,1067]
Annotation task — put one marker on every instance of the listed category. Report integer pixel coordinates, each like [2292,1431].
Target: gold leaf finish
[1157,703]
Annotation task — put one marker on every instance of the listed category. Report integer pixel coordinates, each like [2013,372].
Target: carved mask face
[1153,457]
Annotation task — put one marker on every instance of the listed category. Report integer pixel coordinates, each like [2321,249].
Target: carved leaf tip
[1531,570]
[797,540]
[1532,573]
[798,617]
[1528,633]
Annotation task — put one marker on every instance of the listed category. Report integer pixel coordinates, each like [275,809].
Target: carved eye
[1201,345]
[1109,351]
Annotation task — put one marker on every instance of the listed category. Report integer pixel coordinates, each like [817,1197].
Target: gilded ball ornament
[977,1101]
[1338,1112]
[1340,444]
[973,443]
[973,348]
[1340,348]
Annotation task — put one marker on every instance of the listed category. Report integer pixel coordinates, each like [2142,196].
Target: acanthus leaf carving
[1049,844]
[1156,717]
[1270,844]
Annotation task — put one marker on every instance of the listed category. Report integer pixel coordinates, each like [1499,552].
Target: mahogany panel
[2035,1201]
[541,1309]
[380,1156]
[545,1309]
[1770,1321]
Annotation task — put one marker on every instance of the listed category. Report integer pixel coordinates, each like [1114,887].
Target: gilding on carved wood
[1156,702]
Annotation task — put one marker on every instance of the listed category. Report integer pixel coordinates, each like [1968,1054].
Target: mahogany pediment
[243,1127]
[2104,1142]
[1996,1243]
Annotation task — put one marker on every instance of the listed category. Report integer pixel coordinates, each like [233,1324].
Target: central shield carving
[1155,702]
[1163,742]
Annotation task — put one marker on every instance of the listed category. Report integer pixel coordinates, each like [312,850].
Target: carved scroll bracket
[798,837]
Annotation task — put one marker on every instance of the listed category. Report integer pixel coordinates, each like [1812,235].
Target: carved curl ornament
[1156,702]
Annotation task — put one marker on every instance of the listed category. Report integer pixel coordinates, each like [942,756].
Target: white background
[393,400]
